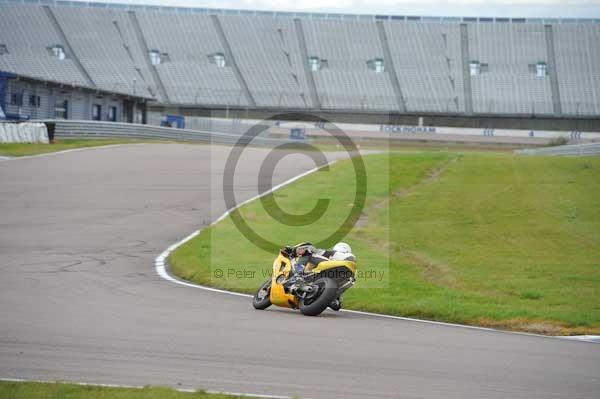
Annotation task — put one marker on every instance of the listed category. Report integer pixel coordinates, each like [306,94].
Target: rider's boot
[336,304]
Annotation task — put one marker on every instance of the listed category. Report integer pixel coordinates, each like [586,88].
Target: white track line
[160,261]
[188,390]
[161,268]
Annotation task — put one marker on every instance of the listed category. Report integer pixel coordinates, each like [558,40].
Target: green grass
[39,390]
[23,149]
[417,145]
[487,239]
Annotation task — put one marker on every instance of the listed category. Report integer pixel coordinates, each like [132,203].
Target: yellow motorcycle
[311,292]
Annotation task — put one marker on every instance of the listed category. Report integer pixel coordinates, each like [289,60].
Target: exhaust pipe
[345,286]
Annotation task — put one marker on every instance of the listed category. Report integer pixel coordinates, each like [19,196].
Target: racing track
[80,300]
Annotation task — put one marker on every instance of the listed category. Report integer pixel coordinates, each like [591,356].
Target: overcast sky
[494,8]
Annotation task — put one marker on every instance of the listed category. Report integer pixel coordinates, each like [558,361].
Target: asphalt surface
[80,299]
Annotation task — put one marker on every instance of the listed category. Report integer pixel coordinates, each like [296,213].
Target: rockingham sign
[407,129]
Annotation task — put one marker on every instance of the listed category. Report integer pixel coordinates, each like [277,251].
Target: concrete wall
[477,122]
[388,130]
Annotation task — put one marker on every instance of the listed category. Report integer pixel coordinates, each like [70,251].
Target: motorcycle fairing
[282,267]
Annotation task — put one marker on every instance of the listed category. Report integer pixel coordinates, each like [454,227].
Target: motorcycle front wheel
[262,298]
[315,303]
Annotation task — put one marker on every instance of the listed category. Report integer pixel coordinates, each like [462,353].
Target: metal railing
[95,129]
[592,149]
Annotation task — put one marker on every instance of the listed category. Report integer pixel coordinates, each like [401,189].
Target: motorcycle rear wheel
[262,298]
[315,305]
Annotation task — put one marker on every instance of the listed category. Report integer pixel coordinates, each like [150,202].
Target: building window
[155,57]
[35,101]
[314,63]
[378,65]
[541,69]
[112,114]
[219,60]
[474,68]
[96,112]
[3,49]
[58,52]
[16,97]
[62,110]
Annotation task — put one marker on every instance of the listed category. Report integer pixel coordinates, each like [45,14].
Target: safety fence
[592,149]
[95,129]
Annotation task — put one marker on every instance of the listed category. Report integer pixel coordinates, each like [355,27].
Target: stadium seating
[427,59]
[578,66]
[28,34]
[190,75]
[510,86]
[266,58]
[106,45]
[266,52]
[346,82]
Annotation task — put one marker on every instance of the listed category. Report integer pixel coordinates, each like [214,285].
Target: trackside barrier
[592,149]
[96,130]
[25,132]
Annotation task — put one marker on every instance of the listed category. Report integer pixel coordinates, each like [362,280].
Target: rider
[308,257]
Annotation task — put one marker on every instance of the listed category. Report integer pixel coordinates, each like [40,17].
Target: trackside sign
[406,129]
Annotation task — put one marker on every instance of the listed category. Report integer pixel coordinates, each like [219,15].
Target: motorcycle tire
[327,293]
[262,302]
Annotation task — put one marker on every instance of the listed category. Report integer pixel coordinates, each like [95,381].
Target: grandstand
[474,70]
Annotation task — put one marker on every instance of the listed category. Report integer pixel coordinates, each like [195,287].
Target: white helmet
[342,247]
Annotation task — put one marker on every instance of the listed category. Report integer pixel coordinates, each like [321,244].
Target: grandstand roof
[303,15]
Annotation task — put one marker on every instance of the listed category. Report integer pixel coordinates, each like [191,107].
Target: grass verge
[487,239]
[46,390]
[24,149]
